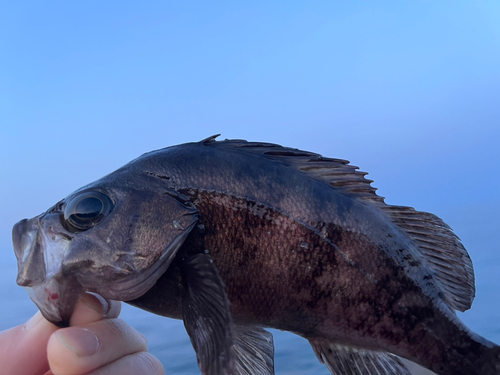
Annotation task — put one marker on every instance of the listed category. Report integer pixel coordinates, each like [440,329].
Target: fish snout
[29,253]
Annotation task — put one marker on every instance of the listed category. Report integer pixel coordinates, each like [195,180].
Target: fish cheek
[123,257]
[90,260]
[155,226]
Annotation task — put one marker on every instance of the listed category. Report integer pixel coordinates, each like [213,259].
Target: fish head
[115,242]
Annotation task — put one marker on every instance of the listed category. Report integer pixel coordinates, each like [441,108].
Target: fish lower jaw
[56,300]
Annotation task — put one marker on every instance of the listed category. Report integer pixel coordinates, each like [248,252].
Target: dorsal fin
[440,247]
[210,139]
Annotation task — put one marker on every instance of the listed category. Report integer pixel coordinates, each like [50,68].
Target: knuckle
[120,329]
[117,328]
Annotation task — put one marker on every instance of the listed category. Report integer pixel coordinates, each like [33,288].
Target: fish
[234,237]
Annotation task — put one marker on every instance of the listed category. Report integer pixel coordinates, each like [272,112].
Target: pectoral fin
[254,350]
[206,315]
[344,360]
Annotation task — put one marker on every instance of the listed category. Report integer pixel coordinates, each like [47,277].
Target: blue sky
[407,90]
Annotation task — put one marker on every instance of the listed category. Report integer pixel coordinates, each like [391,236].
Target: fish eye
[87,210]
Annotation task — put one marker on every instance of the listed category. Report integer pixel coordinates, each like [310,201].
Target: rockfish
[234,236]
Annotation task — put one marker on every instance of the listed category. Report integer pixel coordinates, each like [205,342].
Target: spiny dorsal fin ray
[342,360]
[439,246]
[210,139]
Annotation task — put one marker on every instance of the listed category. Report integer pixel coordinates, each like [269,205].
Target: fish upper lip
[38,248]
[17,232]
[30,257]
[19,229]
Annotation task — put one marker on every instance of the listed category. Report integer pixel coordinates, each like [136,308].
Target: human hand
[96,343]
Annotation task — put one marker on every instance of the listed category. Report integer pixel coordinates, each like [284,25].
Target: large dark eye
[87,210]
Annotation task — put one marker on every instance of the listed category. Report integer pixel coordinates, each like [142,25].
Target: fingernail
[81,341]
[33,322]
[96,302]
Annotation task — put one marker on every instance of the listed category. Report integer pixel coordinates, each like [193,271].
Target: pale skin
[96,343]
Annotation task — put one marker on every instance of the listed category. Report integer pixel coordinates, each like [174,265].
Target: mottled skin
[294,252]
[296,255]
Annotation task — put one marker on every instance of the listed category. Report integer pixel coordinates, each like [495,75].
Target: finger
[92,308]
[28,341]
[133,364]
[78,350]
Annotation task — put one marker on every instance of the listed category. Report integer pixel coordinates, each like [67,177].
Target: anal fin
[345,360]
[254,350]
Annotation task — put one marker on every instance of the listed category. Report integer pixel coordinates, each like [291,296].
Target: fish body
[233,236]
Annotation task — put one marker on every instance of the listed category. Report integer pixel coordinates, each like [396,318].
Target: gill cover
[112,241]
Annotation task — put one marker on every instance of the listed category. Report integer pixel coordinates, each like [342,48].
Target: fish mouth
[40,246]
[56,300]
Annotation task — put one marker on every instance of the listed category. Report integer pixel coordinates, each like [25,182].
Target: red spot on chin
[53,296]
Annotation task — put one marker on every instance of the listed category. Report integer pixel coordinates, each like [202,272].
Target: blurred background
[409,91]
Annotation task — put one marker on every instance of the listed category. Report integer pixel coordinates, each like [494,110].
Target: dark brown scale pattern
[341,286]
[273,279]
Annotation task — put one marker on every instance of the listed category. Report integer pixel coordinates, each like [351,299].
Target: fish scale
[233,236]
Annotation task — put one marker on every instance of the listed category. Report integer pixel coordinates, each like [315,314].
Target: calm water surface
[168,340]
